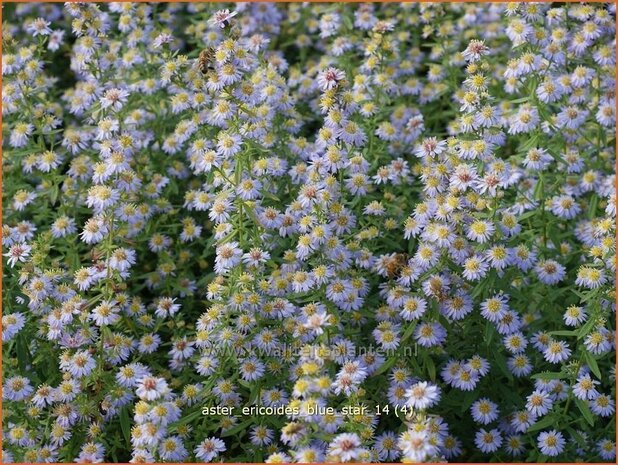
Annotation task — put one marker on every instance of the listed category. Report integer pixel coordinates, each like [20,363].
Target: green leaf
[431,367]
[125,425]
[532,142]
[238,428]
[478,289]
[187,419]
[411,244]
[592,209]
[23,354]
[245,384]
[470,397]
[408,332]
[592,363]
[542,423]
[347,22]
[271,196]
[501,362]
[53,194]
[385,366]
[577,436]
[538,190]
[548,375]
[489,332]
[583,407]
[526,215]
[578,293]
[520,100]
[586,329]
[563,333]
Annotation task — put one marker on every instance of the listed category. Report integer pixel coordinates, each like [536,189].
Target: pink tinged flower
[79,365]
[345,446]
[114,99]
[423,395]
[317,321]
[475,50]
[162,39]
[56,38]
[228,256]
[18,253]
[330,78]
[39,27]
[166,307]
[209,448]
[417,446]
[430,147]
[222,18]
[151,388]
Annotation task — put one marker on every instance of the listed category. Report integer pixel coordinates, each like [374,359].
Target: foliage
[308,232]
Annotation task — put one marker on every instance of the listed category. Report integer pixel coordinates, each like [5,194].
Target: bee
[395,263]
[206,60]
[104,407]
[438,290]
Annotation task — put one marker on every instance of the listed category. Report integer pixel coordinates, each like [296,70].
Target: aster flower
[557,351]
[584,388]
[18,253]
[423,395]
[475,50]
[551,443]
[38,27]
[330,78]
[345,447]
[106,313]
[538,403]
[488,441]
[574,315]
[209,448]
[228,256]
[550,271]
[114,98]
[222,19]
[151,388]
[321,236]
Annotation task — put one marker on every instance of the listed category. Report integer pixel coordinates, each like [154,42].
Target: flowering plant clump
[308,232]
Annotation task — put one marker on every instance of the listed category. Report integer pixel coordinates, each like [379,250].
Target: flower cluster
[385,231]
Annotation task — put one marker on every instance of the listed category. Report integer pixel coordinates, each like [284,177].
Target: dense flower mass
[308,232]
